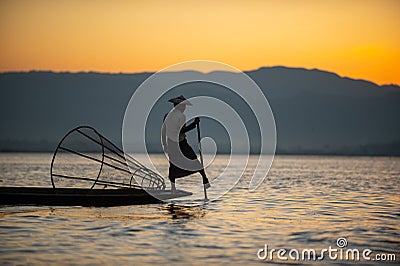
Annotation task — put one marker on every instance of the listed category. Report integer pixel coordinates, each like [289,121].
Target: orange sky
[358,39]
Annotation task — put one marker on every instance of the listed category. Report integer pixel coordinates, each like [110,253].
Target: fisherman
[182,159]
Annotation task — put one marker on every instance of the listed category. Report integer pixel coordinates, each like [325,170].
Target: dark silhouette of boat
[83,197]
[107,176]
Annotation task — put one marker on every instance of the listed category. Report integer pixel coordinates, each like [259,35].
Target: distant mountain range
[316,112]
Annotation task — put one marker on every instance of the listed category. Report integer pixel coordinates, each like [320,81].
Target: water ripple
[306,202]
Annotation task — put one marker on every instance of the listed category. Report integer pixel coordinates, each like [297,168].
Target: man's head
[180,106]
[180,103]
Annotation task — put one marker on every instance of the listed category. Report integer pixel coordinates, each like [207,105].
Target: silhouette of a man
[182,159]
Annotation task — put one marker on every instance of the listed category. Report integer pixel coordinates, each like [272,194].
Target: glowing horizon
[355,39]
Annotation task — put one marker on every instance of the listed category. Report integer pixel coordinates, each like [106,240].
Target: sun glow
[358,39]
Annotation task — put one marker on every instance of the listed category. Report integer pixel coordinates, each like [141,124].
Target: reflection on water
[306,202]
[181,212]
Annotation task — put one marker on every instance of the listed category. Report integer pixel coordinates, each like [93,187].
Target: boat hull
[82,197]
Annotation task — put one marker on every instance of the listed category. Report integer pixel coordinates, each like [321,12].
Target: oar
[201,156]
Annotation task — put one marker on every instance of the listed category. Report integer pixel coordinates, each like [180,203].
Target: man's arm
[190,126]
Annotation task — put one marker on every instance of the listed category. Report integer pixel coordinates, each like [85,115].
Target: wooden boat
[114,177]
[83,196]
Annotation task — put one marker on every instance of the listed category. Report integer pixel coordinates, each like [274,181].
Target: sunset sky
[357,39]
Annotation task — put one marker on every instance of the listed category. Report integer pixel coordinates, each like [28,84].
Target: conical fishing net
[86,159]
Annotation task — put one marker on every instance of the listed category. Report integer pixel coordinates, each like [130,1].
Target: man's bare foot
[173,188]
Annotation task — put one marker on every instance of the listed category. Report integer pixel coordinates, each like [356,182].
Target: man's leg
[206,183]
[173,188]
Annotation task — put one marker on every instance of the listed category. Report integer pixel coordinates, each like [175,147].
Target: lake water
[307,202]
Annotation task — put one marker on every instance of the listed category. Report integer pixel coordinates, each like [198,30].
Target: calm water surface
[306,202]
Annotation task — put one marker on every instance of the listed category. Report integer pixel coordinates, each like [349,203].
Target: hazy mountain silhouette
[315,111]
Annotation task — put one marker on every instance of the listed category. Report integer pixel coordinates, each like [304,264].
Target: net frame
[140,175]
